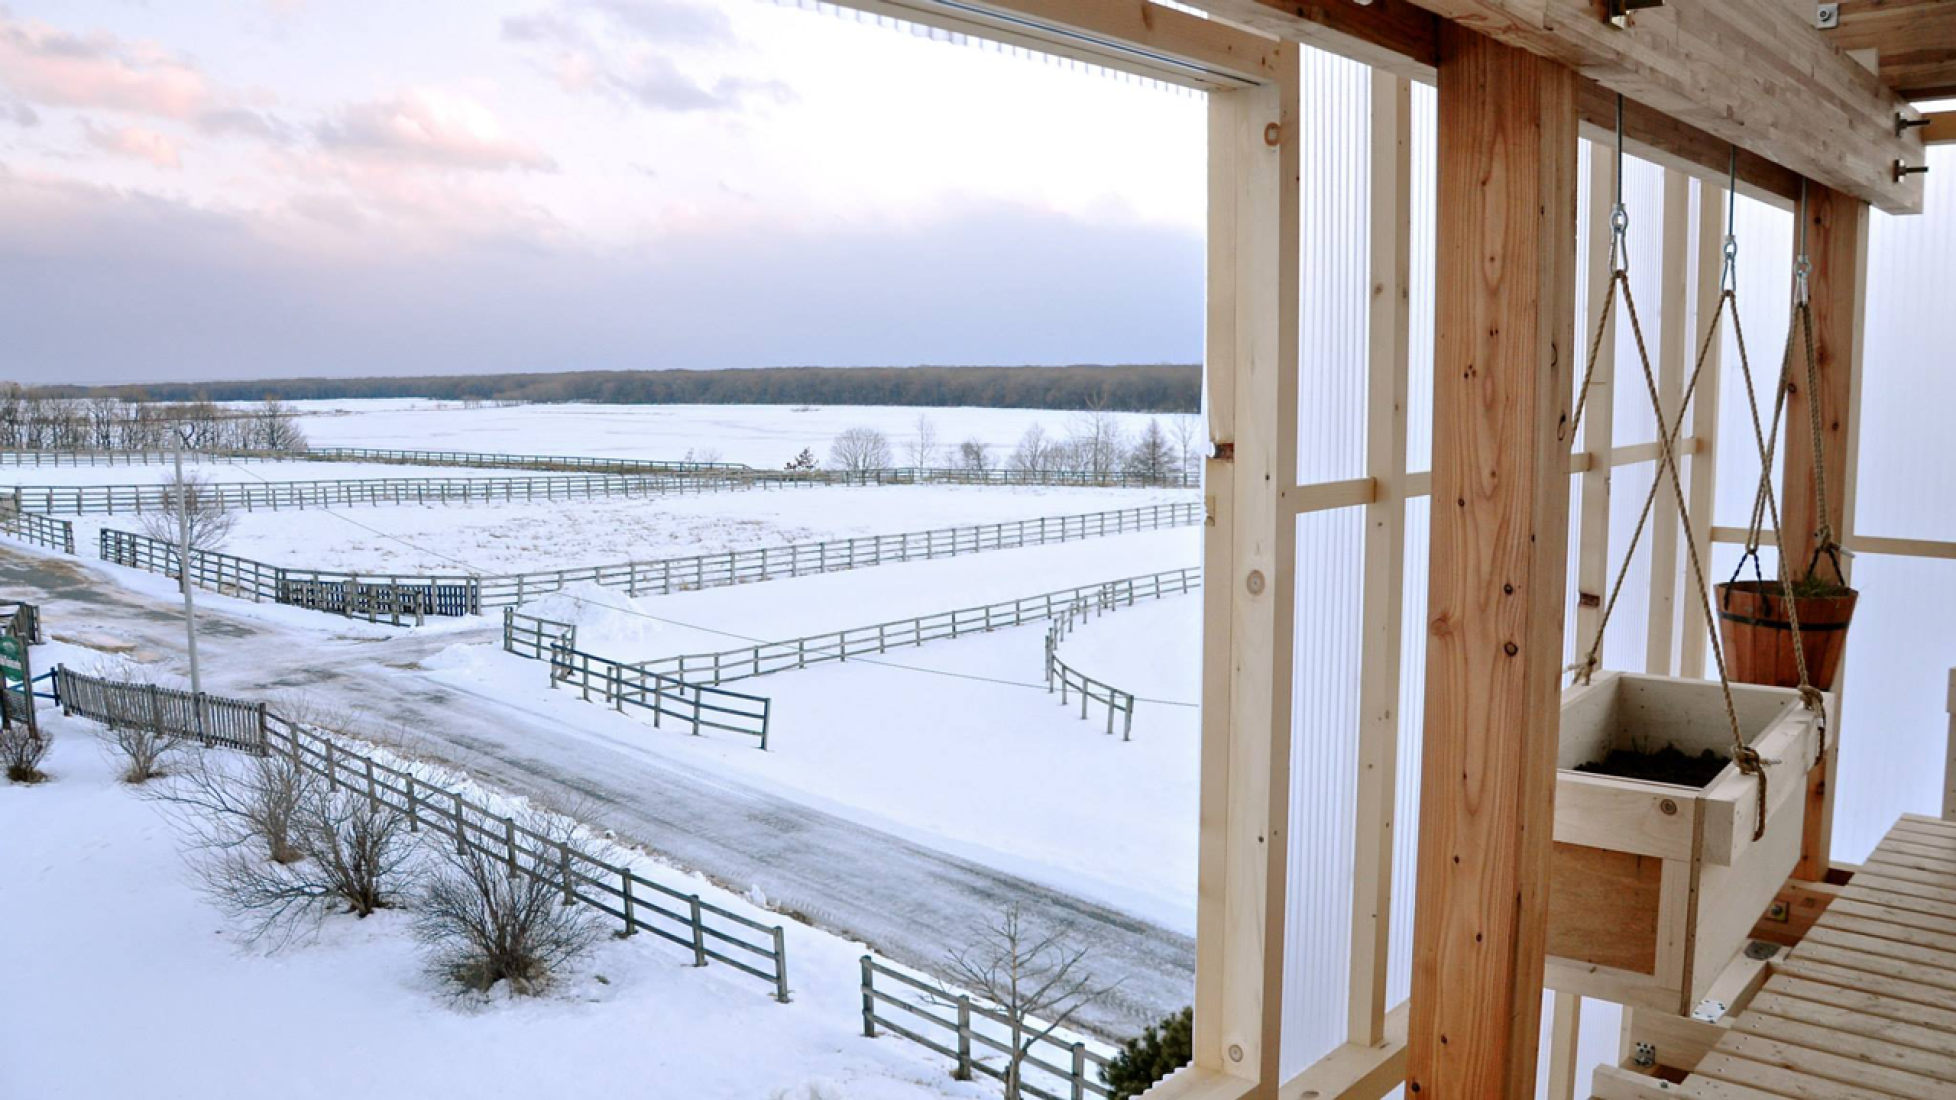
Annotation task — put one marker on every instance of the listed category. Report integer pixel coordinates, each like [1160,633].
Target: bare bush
[21,752]
[859,450]
[1036,980]
[354,855]
[249,802]
[975,454]
[145,751]
[194,507]
[484,921]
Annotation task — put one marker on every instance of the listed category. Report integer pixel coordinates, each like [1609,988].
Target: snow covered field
[243,472]
[759,435]
[118,942]
[516,537]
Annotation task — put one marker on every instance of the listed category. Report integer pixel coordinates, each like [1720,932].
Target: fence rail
[710,932]
[956,1027]
[664,576]
[38,530]
[795,653]
[620,685]
[23,621]
[138,458]
[1070,681]
[533,636]
[82,500]
[169,712]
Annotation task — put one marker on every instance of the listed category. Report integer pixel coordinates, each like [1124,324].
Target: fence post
[373,798]
[631,918]
[332,769]
[414,806]
[699,931]
[964,1037]
[564,866]
[155,712]
[869,998]
[509,839]
[781,965]
[1079,1071]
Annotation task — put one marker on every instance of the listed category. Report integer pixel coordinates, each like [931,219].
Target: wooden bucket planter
[1655,887]
[1758,637]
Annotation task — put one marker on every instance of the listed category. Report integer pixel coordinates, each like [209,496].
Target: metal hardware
[1903,123]
[1646,1055]
[1760,950]
[1904,170]
[1620,11]
[1709,1010]
[1827,16]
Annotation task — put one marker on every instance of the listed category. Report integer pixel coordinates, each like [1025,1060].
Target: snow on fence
[22,620]
[168,712]
[619,685]
[533,636]
[977,1037]
[38,530]
[1071,680]
[710,932]
[664,576]
[840,645]
[81,500]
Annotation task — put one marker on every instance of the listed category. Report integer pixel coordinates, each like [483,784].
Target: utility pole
[183,565]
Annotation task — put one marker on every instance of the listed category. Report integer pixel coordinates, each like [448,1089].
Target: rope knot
[1583,670]
[1748,759]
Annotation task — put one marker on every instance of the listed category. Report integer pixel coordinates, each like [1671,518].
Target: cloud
[429,128]
[52,67]
[627,50]
[656,82]
[136,142]
[18,112]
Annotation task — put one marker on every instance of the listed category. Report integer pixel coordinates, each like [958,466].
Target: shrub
[1161,1050]
[484,921]
[143,750]
[250,802]
[353,854]
[21,751]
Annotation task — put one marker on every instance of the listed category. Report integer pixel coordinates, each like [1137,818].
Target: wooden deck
[1864,1008]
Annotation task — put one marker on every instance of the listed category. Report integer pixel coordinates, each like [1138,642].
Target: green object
[13,665]
[1161,1050]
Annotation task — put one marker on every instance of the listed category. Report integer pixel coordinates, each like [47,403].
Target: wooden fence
[23,621]
[697,706]
[137,458]
[710,932]
[664,576]
[398,600]
[249,496]
[37,530]
[975,1036]
[795,653]
[168,712]
[533,636]
[1071,681]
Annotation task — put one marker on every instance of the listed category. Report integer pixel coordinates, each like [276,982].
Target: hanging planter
[1759,637]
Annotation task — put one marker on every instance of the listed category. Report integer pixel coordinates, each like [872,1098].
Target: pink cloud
[43,64]
[430,128]
[134,141]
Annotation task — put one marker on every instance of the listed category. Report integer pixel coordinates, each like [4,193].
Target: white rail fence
[37,530]
[82,500]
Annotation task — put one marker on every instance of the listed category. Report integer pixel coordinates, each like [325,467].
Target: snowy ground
[1153,649]
[523,537]
[759,435]
[118,940]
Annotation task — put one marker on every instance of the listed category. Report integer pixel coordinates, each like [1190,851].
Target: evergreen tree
[1161,1050]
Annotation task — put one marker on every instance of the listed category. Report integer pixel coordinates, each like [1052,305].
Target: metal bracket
[1620,11]
[1827,16]
[1709,1010]
[1904,170]
[1646,1055]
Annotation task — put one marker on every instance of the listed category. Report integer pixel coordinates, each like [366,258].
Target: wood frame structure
[1704,83]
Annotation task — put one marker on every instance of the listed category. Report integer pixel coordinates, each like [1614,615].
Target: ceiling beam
[1941,129]
[1130,36]
[1914,42]
[1751,73]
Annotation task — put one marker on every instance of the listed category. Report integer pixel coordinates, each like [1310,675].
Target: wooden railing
[710,932]
[796,653]
[697,706]
[37,530]
[667,575]
[977,1037]
[533,636]
[1069,681]
[80,500]
[23,621]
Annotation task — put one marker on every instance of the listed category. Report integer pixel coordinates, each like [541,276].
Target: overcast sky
[286,187]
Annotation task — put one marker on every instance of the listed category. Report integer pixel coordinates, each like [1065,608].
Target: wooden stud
[1249,559]
[1503,370]
[1385,546]
[1672,351]
[1599,413]
[1704,422]
[1565,1029]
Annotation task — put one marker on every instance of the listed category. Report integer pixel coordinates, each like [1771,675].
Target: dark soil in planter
[1667,765]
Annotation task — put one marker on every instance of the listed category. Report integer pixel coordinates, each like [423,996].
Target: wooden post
[1704,423]
[1565,1029]
[1385,554]
[1837,243]
[1672,351]
[869,997]
[1599,412]
[1249,559]
[964,1038]
[1504,365]
[699,930]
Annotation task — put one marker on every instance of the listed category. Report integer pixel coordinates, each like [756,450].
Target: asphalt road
[909,902]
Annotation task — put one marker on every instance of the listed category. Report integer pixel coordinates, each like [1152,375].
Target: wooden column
[1673,343]
[1249,561]
[1504,367]
[1837,244]
[1704,424]
[1593,573]
[1385,554]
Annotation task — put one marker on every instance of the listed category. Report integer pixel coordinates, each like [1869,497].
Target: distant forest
[1157,388]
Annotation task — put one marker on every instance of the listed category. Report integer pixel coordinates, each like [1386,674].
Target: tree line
[1094,443]
[31,420]
[1131,388]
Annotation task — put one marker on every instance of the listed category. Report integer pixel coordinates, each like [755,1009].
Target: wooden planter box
[1654,887]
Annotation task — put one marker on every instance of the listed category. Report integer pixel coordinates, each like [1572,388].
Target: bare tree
[485,921]
[354,854]
[21,752]
[1187,430]
[1035,451]
[975,454]
[859,450]
[1099,443]
[1036,980]
[1151,458]
[190,506]
[923,447]
[278,430]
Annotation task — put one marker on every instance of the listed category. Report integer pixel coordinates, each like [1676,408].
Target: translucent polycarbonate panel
[1324,764]
[1643,202]
[1765,273]
[1412,726]
[1334,273]
[1419,389]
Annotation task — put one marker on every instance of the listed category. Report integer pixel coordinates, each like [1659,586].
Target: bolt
[1669,807]
[1235,1052]
[1273,135]
[1254,582]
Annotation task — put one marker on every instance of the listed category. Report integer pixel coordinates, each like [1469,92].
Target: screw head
[1254,582]
[1669,807]
[1273,135]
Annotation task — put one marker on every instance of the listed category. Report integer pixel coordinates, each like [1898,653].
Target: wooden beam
[1750,73]
[1132,36]
[1704,424]
[1503,368]
[1837,242]
[1914,42]
[1673,344]
[1941,129]
[1389,324]
[1599,412]
[1565,1034]
[1249,558]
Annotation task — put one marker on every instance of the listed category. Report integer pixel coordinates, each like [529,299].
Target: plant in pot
[1760,636]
